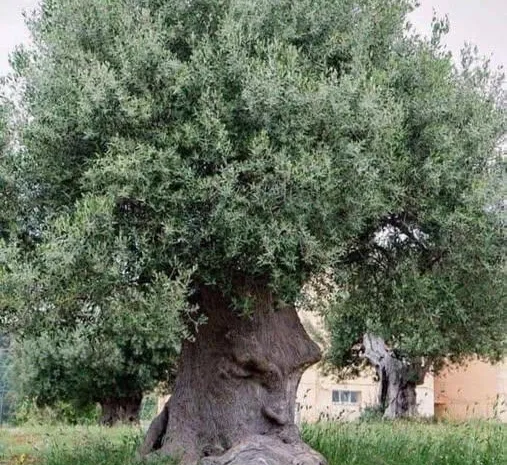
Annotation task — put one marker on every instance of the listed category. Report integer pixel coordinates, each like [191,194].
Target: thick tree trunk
[123,410]
[398,379]
[401,398]
[234,398]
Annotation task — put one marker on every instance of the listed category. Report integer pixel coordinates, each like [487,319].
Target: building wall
[477,390]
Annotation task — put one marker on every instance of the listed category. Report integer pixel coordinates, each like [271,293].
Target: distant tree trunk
[398,379]
[383,387]
[234,398]
[122,410]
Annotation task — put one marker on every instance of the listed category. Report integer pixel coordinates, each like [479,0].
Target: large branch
[375,349]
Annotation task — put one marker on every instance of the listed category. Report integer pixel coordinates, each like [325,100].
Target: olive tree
[425,284]
[238,149]
[110,359]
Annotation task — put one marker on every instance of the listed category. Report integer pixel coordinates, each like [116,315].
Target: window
[346,397]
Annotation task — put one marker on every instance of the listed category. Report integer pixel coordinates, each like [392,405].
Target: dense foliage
[429,277]
[171,144]
[116,353]
[7,194]
[235,140]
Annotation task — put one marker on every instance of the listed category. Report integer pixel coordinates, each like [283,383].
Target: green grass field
[410,443]
[76,445]
[403,443]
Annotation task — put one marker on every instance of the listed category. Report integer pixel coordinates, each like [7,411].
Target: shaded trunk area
[234,397]
[398,379]
[122,410]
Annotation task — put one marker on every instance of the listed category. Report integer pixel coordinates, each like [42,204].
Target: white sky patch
[481,22]
[12,28]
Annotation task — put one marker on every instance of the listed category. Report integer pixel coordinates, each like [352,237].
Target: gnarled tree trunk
[120,410]
[398,379]
[234,398]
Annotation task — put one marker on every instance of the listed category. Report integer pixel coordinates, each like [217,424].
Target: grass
[410,443]
[404,443]
[76,445]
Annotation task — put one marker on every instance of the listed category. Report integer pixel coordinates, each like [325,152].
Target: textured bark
[398,379]
[123,410]
[234,396]
[265,450]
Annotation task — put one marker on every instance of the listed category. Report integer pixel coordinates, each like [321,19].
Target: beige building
[321,397]
[476,390]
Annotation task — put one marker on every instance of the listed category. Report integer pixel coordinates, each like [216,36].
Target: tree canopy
[429,278]
[231,139]
[236,140]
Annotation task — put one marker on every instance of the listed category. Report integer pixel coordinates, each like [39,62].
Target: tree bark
[398,379]
[122,410]
[234,397]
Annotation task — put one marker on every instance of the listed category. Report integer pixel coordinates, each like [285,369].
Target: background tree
[112,358]
[108,348]
[8,229]
[246,145]
[425,285]
[69,357]
[93,351]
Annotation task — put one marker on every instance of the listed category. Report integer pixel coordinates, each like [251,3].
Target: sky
[481,22]
[12,28]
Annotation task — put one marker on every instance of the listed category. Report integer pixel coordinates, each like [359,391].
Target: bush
[28,413]
[101,451]
[372,413]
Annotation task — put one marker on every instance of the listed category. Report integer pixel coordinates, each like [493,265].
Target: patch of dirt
[17,447]
[22,459]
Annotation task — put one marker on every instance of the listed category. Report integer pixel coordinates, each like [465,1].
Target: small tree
[248,145]
[111,363]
